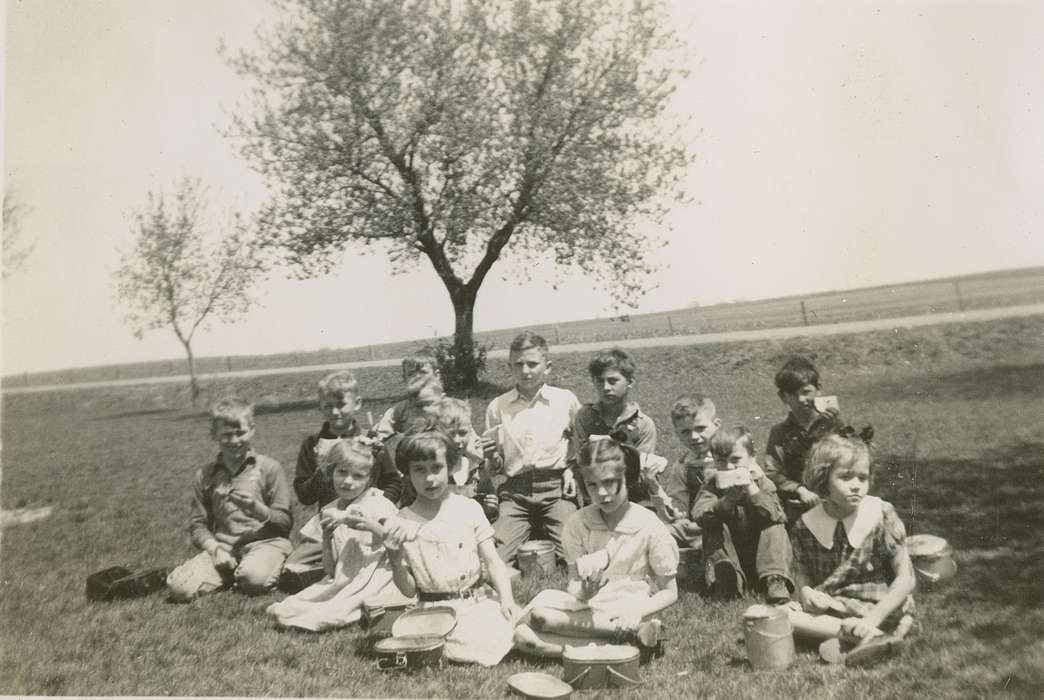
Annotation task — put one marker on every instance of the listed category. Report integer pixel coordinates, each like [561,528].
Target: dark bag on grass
[119,583]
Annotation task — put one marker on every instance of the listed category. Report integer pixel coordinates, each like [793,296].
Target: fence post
[804,314]
[25,376]
[228,362]
[558,338]
[371,353]
[960,300]
[670,324]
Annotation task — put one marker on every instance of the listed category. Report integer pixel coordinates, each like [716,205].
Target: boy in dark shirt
[789,442]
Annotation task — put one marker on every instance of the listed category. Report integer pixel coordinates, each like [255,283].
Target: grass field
[958,411]
[986,290]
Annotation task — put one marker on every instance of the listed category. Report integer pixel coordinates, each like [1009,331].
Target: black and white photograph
[522,348]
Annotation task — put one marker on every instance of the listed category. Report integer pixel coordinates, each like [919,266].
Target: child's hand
[858,629]
[510,610]
[568,484]
[589,587]
[330,518]
[818,602]
[807,497]
[689,528]
[222,557]
[357,520]
[397,531]
[253,507]
[490,502]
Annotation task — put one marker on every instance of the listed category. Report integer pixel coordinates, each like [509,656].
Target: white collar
[857,525]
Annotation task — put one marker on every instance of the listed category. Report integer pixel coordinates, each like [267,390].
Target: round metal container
[932,558]
[597,666]
[536,557]
[408,653]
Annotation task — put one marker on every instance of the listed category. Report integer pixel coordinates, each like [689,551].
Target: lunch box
[116,583]
[932,558]
[536,557]
[417,639]
[598,666]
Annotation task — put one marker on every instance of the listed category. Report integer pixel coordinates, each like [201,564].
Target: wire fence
[911,299]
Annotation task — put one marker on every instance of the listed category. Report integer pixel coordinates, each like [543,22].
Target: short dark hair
[795,373]
[725,440]
[691,405]
[613,358]
[526,340]
[415,360]
[423,442]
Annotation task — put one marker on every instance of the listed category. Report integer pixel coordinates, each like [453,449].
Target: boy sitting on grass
[744,533]
[240,516]
[338,401]
[422,380]
[614,412]
[790,441]
[527,440]
[695,420]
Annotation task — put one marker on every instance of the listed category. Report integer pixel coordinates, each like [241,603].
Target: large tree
[465,131]
[184,270]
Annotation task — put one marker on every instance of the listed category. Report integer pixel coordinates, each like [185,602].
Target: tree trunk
[193,382]
[464,340]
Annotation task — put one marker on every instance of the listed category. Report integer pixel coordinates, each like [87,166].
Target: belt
[432,597]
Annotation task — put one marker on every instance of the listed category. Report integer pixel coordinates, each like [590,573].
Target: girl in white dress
[356,563]
[622,564]
[437,546]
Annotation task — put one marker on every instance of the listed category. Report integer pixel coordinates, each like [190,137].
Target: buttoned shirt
[533,434]
[631,427]
[788,446]
[215,517]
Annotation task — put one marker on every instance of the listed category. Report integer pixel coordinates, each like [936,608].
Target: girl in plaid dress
[851,567]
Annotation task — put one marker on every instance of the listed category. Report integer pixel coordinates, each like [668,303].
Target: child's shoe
[726,581]
[776,590]
[649,639]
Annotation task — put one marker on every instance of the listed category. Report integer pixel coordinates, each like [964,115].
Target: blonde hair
[453,414]
[338,384]
[692,405]
[232,411]
[828,454]
[349,452]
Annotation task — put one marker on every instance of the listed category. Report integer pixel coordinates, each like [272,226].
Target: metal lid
[403,644]
[927,546]
[542,686]
[537,546]
[604,653]
[435,621]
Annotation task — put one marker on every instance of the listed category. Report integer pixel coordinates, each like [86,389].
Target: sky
[837,145]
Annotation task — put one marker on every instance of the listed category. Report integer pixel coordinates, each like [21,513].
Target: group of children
[421,509]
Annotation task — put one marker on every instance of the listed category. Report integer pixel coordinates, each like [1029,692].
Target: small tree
[16,247]
[461,131]
[179,275]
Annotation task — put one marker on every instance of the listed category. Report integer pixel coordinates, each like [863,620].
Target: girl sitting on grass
[438,545]
[622,562]
[851,567]
[349,528]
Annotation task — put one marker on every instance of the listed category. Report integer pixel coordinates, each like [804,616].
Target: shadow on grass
[1002,381]
[990,509]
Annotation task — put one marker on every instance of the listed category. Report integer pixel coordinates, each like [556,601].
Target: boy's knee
[255,579]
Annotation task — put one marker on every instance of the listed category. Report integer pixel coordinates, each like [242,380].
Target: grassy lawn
[958,412]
